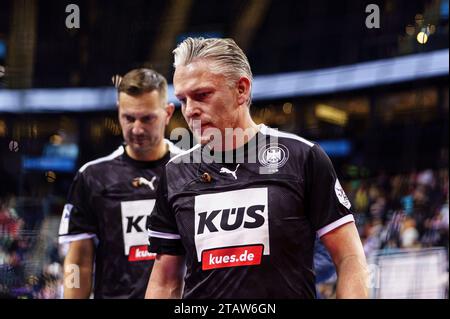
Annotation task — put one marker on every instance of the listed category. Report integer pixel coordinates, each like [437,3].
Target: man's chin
[138,148]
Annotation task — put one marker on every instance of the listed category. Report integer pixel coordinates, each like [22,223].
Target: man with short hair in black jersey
[241,209]
[106,215]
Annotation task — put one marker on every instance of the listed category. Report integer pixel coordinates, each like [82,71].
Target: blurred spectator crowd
[20,275]
[403,210]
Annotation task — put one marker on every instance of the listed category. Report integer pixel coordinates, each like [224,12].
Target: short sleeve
[78,220]
[327,205]
[164,237]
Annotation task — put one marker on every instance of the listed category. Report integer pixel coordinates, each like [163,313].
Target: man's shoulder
[173,149]
[184,156]
[183,167]
[295,143]
[101,163]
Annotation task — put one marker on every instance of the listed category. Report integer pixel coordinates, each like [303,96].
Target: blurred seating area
[399,213]
[30,267]
[402,210]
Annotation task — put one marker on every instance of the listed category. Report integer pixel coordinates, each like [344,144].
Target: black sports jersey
[110,200]
[247,229]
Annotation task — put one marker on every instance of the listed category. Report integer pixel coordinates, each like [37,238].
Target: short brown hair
[139,81]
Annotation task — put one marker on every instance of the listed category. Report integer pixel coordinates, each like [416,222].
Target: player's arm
[78,266]
[347,253]
[78,228]
[167,276]
[166,279]
[331,215]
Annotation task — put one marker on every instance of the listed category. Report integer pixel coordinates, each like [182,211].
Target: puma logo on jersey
[139,181]
[227,171]
[231,219]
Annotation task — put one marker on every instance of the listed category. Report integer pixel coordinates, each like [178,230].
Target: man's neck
[249,128]
[153,154]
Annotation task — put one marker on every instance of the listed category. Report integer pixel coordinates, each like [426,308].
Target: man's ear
[170,109]
[243,88]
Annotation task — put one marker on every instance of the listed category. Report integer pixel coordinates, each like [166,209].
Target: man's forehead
[138,109]
[194,76]
[136,112]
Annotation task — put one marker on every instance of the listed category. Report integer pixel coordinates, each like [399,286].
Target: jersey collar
[145,164]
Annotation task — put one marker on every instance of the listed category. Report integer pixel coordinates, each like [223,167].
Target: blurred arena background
[375,98]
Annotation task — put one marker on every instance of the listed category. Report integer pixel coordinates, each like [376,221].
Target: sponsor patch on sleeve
[65,218]
[342,197]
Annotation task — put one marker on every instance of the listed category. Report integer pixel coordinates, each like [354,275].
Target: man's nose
[192,109]
[137,128]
